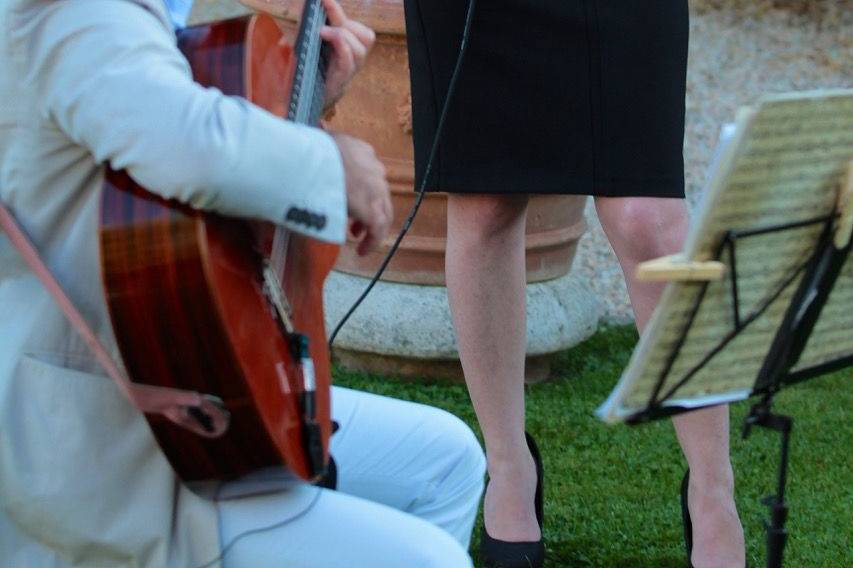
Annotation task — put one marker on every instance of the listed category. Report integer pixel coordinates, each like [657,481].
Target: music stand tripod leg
[761,415]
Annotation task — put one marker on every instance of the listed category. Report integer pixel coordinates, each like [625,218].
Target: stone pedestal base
[405,330]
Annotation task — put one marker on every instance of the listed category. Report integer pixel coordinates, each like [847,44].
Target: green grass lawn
[611,492]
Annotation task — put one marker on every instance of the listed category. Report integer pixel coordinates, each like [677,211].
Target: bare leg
[640,229]
[486,284]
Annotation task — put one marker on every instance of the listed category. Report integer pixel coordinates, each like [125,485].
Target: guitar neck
[307,95]
[309,89]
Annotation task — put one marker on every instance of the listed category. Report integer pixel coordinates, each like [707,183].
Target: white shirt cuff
[320,210]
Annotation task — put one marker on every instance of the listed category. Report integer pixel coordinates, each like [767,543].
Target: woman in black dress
[557,96]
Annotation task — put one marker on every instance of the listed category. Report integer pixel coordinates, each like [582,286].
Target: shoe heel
[496,553]
[687,524]
[540,480]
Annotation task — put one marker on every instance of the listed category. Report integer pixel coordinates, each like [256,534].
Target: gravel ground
[739,51]
[212,10]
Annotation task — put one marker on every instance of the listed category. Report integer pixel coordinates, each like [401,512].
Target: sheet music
[831,339]
[784,163]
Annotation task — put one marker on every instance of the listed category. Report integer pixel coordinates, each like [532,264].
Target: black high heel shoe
[685,518]
[687,523]
[496,553]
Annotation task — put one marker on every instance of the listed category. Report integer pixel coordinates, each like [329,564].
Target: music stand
[762,297]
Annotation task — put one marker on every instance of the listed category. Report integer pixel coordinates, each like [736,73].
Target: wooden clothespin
[677,268]
[844,225]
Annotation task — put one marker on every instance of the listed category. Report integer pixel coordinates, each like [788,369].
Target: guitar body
[186,294]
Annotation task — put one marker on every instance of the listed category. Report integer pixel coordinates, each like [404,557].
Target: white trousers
[410,479]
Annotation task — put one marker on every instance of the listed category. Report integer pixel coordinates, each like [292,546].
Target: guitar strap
[202,414]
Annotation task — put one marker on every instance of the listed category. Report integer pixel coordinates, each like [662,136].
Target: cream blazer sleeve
[109,74]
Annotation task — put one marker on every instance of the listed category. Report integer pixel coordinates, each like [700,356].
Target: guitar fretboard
[307,95]
[308,90]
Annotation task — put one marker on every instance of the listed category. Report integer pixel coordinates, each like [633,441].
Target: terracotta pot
[377,109]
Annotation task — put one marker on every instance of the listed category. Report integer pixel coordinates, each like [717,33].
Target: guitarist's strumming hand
[351,41]
[368,196]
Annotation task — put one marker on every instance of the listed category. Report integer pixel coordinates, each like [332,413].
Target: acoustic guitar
[207,303]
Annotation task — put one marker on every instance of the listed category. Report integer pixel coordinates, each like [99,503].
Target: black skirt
[556,96]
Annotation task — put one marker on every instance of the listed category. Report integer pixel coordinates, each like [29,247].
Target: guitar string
[281,238]
[421,191]
[451,89]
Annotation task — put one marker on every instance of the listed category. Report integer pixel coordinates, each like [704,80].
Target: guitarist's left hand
[351,41]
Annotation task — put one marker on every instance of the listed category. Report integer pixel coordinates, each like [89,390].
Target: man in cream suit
[84,83]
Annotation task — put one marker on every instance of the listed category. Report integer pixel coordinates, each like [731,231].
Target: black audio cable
[451,89]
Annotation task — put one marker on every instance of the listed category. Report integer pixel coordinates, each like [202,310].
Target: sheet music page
[784,164]
[832,338]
